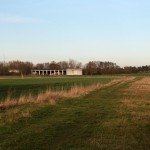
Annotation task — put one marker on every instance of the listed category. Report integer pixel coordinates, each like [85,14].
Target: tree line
[90,68]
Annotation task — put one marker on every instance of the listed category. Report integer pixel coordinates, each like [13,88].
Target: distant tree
[74,64]
[4,68]
[39,66]
[54,66]
[27,67]
[23,67]
[78,65]
[130,69]
[63,64]
[91,68]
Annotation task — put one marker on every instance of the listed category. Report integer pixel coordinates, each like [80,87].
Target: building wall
[57,72]
[48,72]
[74,72]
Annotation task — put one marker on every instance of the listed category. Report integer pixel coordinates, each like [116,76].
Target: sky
[84,30]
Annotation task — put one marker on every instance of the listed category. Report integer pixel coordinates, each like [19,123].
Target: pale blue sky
[84,30]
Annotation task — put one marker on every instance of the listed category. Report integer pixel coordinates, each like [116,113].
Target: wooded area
[91,68]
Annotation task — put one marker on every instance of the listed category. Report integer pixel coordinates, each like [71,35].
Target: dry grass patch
[140,88]
[141,85]
[137,101]
[52,96]
[13,115]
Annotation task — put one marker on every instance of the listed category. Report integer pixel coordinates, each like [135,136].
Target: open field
[15,87]
[113,116]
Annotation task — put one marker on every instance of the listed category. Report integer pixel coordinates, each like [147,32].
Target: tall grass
[17,87]
[51,97]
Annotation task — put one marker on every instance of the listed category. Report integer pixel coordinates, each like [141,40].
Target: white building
[57,72]
[14,71]
[74,72]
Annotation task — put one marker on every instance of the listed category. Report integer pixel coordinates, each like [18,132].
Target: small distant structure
[70,72]
[48,72]
[14,71]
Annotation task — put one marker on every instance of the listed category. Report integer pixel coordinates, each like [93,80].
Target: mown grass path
[93,122]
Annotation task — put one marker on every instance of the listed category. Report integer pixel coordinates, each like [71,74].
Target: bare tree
[22,67]
[4,68]
[63,64]
[74,64]
[54,66]
[91,68]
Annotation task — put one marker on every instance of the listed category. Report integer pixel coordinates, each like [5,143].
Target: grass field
[16,87]
[116,117]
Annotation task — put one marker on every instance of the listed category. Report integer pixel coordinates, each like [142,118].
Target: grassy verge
[99,120]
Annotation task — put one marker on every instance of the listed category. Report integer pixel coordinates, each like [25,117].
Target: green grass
[17,87]
[92,122]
